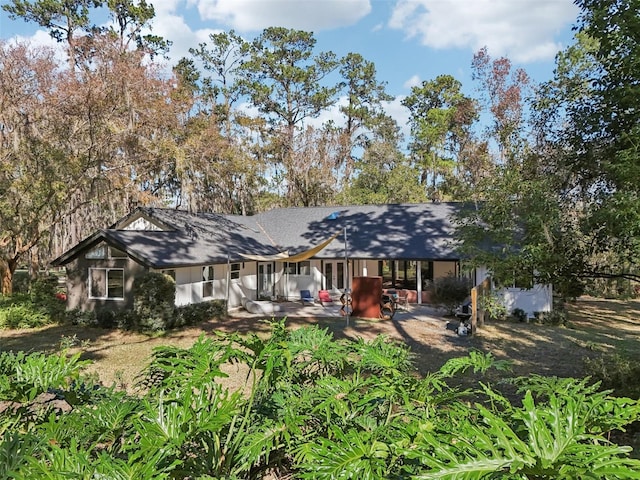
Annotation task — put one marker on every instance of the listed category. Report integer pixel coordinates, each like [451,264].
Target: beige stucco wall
[443,269]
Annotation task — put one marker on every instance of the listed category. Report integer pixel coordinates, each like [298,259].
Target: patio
[295,309]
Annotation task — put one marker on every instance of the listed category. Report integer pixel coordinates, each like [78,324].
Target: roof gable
[139,219]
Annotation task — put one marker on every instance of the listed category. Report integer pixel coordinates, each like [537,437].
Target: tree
[284,80]
[38,173]
[503,92]
[593,130]
[363,112]
[316,154]
[63,18]
[570,210]
[223,61]
[602,145]
[131,19]
[441,119]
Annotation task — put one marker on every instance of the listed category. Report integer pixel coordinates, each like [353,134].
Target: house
[274,254]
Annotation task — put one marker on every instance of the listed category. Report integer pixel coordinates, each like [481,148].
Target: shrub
[519,315]
[154,301]
[20,282]
[615,372]
[315,408]
[450,291]
[44,289]
[554,317]
[197,312]
[24,376]
[494,305]
[23,315]
[44,295]
[19,311]
[86,318]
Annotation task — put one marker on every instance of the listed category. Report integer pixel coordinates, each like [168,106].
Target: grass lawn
[595,327]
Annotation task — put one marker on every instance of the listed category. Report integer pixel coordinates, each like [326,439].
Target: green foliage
[37,308]
[616,372]
[493,304]
[21,281]
[450,291]
[24,377]
[85,318]
[557,316]
[19,311]
[22,316]
[618,288]
[313,407]
[195,313]
[154,300]
[43,289]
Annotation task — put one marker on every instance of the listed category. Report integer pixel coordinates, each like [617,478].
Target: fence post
[474,309]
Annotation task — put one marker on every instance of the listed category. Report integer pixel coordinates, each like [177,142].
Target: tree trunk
[7,268]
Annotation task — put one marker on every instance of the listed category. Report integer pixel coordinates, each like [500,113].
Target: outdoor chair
[306,297]
[324,297]
[402,301]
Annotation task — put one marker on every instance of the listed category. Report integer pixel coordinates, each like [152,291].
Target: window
[207,281]
[300,268]
[235,271]
[103,251]
[98,252]
[304,268]
[398,273]
[106,283]
[116,253]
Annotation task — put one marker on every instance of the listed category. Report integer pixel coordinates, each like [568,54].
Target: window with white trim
[106,283]
[235,271]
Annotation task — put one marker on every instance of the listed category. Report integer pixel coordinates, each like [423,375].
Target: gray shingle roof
[400,231]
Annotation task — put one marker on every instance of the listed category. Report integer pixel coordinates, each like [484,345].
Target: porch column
[419,281]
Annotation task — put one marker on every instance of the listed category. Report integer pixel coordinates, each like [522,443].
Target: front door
[265,281]
[334,275]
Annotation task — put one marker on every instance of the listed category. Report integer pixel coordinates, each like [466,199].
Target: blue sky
[408,40]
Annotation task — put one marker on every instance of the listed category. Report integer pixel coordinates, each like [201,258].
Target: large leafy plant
[311,407]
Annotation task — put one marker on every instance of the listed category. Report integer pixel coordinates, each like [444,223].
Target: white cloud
[414,81]
[523,30]
[256,15]
[175,28]
[42,39]
[399,112]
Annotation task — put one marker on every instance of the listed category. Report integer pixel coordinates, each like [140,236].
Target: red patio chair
[324,297]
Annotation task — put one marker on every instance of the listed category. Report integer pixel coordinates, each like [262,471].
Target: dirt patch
[595,326]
